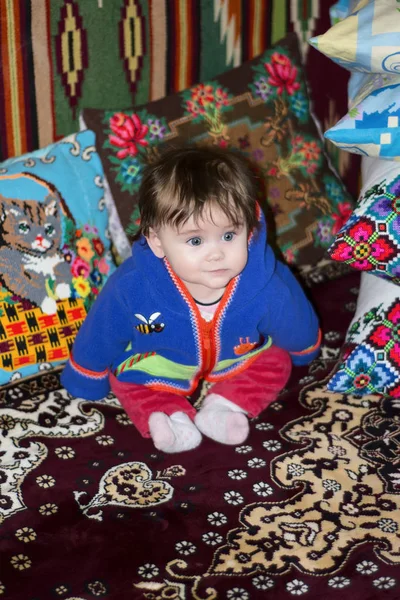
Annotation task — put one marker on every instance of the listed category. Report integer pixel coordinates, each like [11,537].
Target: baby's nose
[215,253]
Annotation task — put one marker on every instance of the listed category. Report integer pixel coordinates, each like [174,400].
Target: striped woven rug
[59,56]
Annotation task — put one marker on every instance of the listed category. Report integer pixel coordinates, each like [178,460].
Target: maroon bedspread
[309,506]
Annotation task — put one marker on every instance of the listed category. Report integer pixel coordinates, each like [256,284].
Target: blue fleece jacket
[146,329]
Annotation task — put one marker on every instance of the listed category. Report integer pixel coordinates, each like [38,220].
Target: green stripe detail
[158,366]
[279,20]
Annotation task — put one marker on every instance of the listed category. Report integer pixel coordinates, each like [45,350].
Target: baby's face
[205,254]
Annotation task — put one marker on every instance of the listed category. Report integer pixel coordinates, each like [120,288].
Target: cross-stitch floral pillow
[371,354]
[260,109]
[54,252]
[370,240]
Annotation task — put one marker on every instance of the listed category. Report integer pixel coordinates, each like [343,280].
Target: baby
[201,298]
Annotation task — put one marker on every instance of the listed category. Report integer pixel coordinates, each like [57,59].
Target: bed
[309,504]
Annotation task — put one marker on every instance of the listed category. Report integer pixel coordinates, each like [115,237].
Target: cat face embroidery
[30,227]
[30,238]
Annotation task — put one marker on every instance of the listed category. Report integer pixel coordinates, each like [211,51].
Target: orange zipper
[206,330]
[208,347]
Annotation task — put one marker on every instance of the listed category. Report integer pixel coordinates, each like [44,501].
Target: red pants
[253,390]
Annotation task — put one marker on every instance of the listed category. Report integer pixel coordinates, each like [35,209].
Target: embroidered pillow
[371,354]
[368,39]
[371,125]
[260,109]
[370,240]
[54,251]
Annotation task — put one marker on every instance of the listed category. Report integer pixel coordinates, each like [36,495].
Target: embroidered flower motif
[98,246]
[237,474]
[300,106]
[80,268]
[295,470]
[262,582]
[156,129]
[45,481]
[386,336]
[123,419]
[217,519]
[233,498]
[7,422]
[84,248]
[339,582]
[104,440]
[21,562]
[384,583]
[362,374]
[148,571]
[339,218]
[131,171]
[387,208]
[202,94]
[297,587]
[185,548]
[366,567]
[388,525]
[331,485]
[282,74]
[212,538]
[26,534]
[264,426]
[262,88]
[256,463]
[48,509]
[243,449]
[65,452]
[324,232]
[103,266]
[97,588]
[272,445]
[128,133]
[263,489]
[363,246]
[237,594]
[81,286]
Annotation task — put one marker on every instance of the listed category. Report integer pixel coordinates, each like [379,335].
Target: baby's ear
[155,243]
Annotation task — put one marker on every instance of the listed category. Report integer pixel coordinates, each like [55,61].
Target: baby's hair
[181,182]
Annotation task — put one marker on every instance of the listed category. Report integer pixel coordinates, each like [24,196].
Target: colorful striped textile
[60,56]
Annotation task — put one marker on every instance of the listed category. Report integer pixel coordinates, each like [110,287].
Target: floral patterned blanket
[308,506]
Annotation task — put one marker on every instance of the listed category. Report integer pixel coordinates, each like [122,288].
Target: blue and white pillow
[54,252]
[371,125]
[367,40]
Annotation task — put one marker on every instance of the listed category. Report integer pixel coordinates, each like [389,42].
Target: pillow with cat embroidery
[54,252]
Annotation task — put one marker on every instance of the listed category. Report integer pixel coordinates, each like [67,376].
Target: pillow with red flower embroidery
[371,354]
[370,240]
[260,109]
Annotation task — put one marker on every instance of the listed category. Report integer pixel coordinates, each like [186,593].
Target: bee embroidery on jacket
[149,326]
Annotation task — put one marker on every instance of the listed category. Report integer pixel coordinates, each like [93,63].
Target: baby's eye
[228,236]
[23,227]
[196,241]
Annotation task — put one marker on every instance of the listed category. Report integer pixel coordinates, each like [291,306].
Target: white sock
[222,420]
[176,433]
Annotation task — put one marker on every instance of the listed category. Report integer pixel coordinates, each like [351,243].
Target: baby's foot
[175,433]
[222,420]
